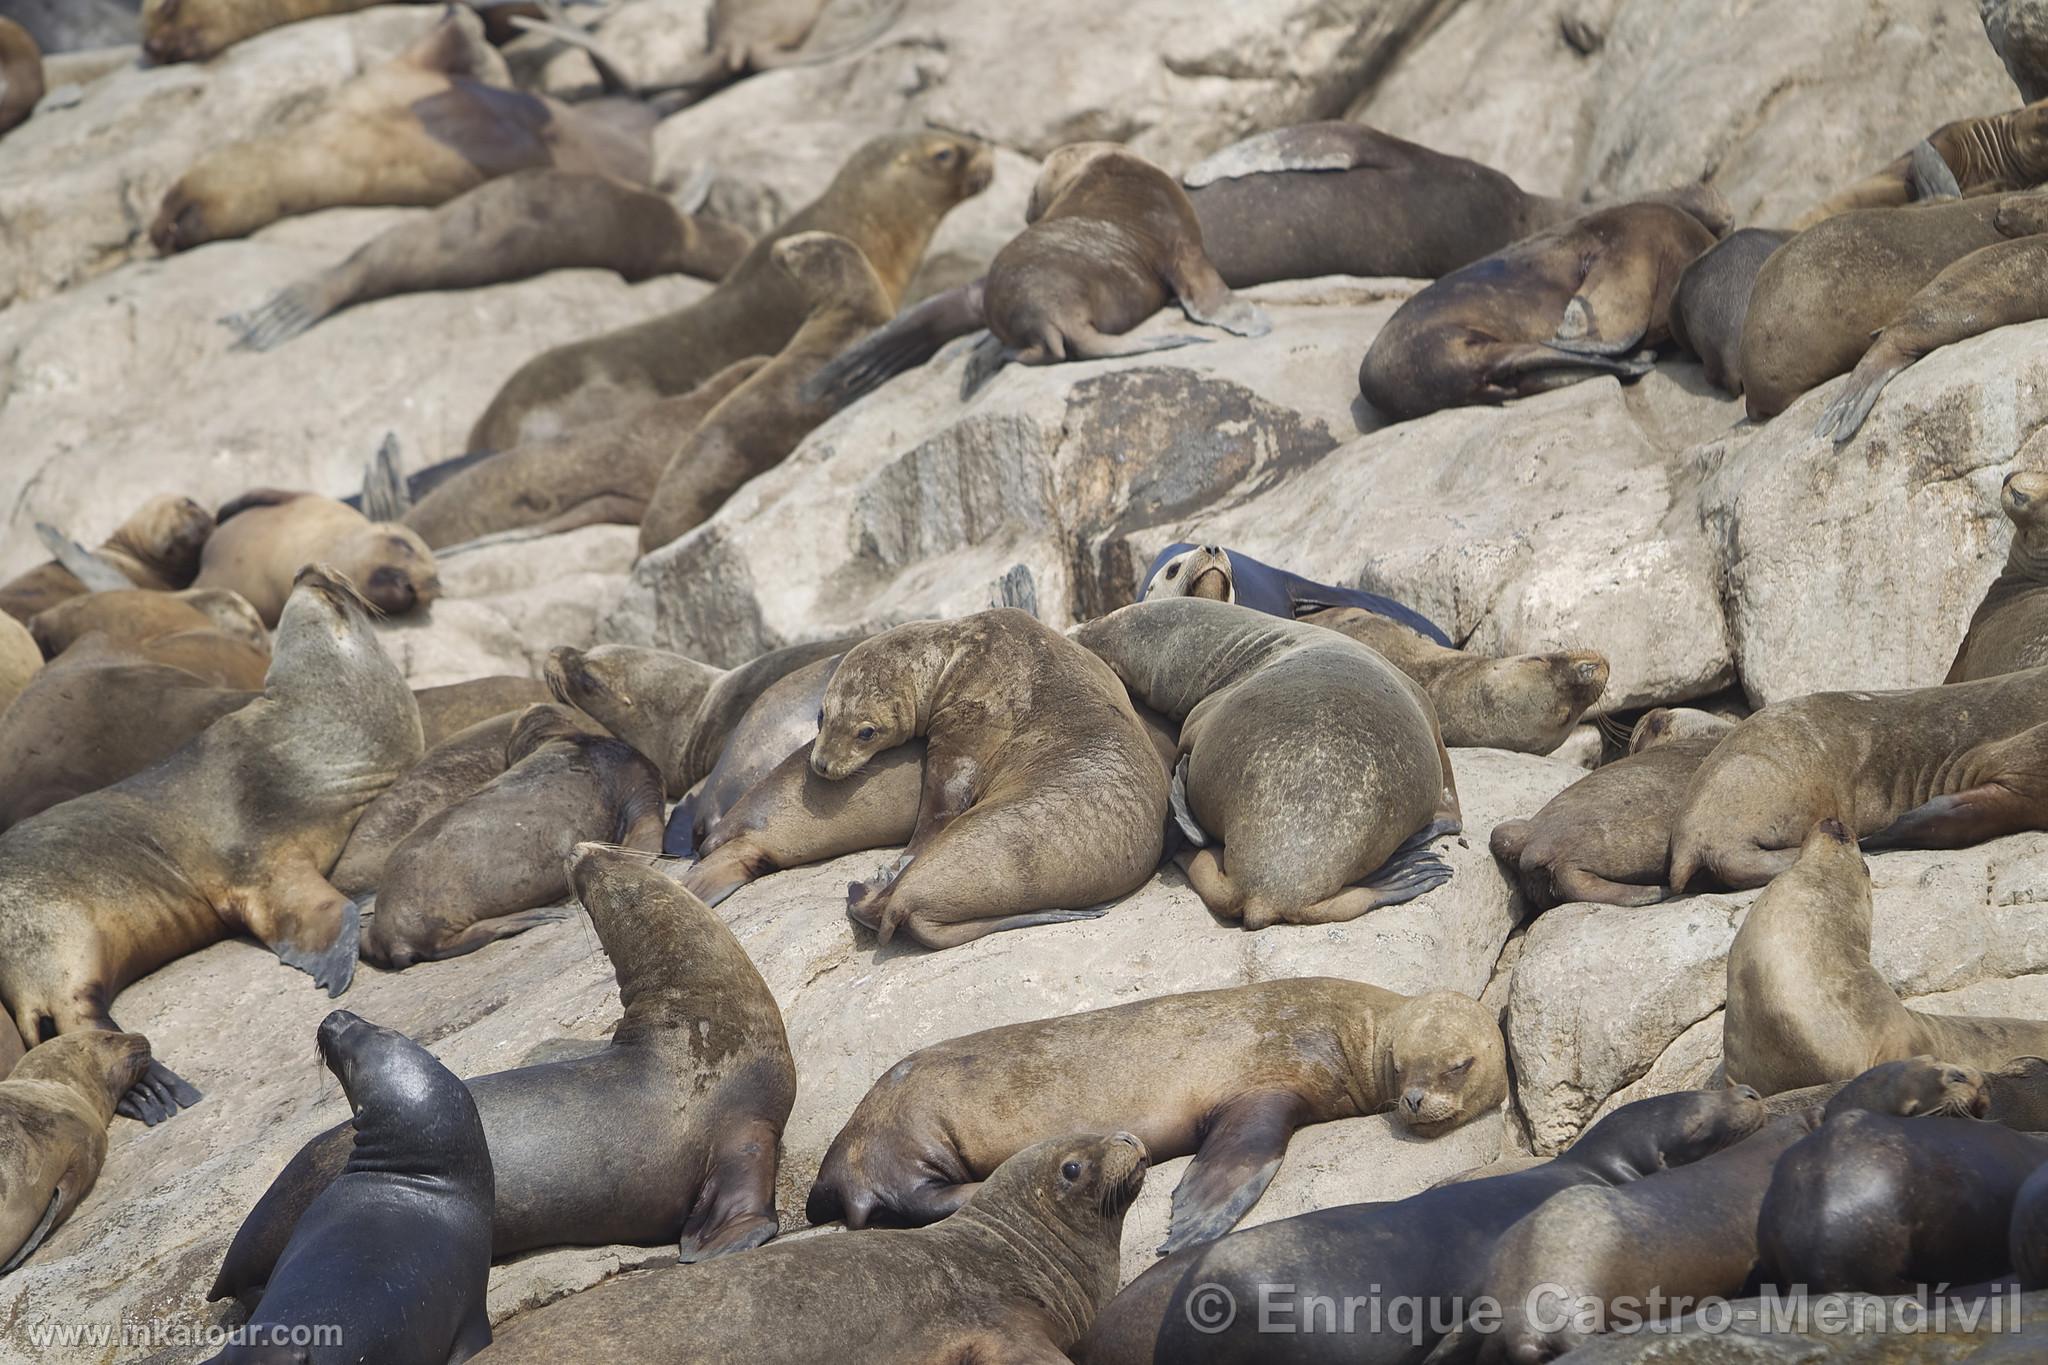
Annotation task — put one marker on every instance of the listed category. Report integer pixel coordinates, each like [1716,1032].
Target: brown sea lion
[1228,1076]
[21,74]
[54,1112]
[2027,1234]
[1043,796]
[600,472]
[1991,154]
[1910,1086]
[211,655]
[158,547]
[2009,629]
[1805,1006]
[1526,703]
[494,863]
[1587,297]
[133,616]
[1312,760]
[511,228]
[265,536]
[1712,299]
[193,30]
[1663,724]
[20,659]
[757,425]
[782,720]
[241,826]
[1930,767]
[1015,1276]
[887,200]
[418,130]
[454,707]
[698,1021]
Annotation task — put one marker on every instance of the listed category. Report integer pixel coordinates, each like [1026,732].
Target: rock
[68,25]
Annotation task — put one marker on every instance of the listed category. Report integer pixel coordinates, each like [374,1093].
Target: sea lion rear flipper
[1609,315]
[908,340]
[988,356]
[679,839]
[1928,175]
[1242,1145]
[1183,814]
[156,1095]
[42,1230]
[88,568]
[735,1208]
[1205,298]
[289,312]
[1845,414]
[309,925]
[385,494]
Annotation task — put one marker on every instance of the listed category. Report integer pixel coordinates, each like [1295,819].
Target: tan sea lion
[458,882]
[757,425]
[1015,1276]
[510,228]
[21,74]
[1712,299]
[698,1022]
[887,200]
[1663,724]
[1990,154]
[1806,1007]
[54,1112]
[265,536]
[193,30]
[1591,296]
[418,130]
[242,824]
[453,707]
[1931,767]
[157,547]
[1043,796]
[1526,703]
[1312,760]
[2009,630]
[1228,1076]
[133,616]
[20,659]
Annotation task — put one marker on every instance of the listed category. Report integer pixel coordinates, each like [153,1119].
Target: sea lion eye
[1173,570]
[865,733]
[1461,1068]
[945,157]
[821,718]
[1072,1170]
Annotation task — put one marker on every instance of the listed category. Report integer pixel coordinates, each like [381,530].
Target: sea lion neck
[2026,560]
[413,1117]
[1053,1258]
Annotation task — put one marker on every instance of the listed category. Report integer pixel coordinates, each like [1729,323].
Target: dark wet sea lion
[1908,1087]
[55,1106]
[267,535]
[21,74]
[1224,575]
[454,707]
[157,547]
[782,720]
[1712,299]
[1990,154]
[2027,1234]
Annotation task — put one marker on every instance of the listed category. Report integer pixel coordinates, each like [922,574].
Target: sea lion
[132,616]
[1712,299]
[2019,1094]
[1211,571]
[511,228]
[1229,1075]
[887,200]
[759,423]
[1909,1087]
[212,656]
[458,881]
[782,720]
[20,660]
[1043,796]
[2009,629]
[194,30]
[1314,761]
[1526,703]
[1930,767]
[1663,724]
[454,707]
[241,825]
[265,536]
[1804,1004]
[21,74]
[698,1022]
[157,547]
[1990,154]
[648,697]
[1870,1203]
[418,130]
[1015,1276]
[1430,1251]
[600,472]
[54,1110]
[2018,30]
[2027,1235]
[396,1252]
[1587,297]
[1822,296]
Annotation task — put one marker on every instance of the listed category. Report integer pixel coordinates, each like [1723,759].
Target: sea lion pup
[1221,575]
[241,823]
[157,547]
[21,74]
[1429,1250]
[1043,796]
[134,616]
[1712,299]
[21,658]
[1016,1275]
[1908,1087]
[1990,154]
[1929,767]
[757,425]
[267,534]
[1591,296]
[782,720]
[1230,1075]
[454,707]
[2009,629]
[698,1022]
[1526,703]
[887,200]
[396,1252]
[1805,1006]
[54,1110]
[597,473]
[1311,759]
[511,228]
[418,130]
[1870,1203]
[1607,837]
[455,883]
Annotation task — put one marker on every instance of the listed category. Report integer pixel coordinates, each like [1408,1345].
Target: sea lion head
[181,221]
[175,31]
[827,268]
[1203,571]
[403,1098]
[391,565]
[937,167]
[647,697]
[2024,500]
[1081,1182]
[167,534]
[1913,1087]
[323,632]
[100,1065]
[1446,1062]
[1060,169]
[1667,1131]
[1668,723]
[870,705]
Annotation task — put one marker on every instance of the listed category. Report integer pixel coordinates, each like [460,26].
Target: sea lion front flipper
[1205,298]
[1183,814]
[82,564]
[483,931]
[908,340]
[735,1208]
[1085,343]
[1329,146]
[308,924]
[1242,1145]
[1844,416]
[42,1230]
[156,1095]
[1928,175]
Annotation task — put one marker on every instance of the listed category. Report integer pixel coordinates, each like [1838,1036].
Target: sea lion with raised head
[454,707]
[2009,629]
[1584,298]
[21,74]
[1805,1005]
[241,826]
[1929,767]
[457,882]
[1712,299]
[1229,1075]
[1989,154]
[648,697]
[511,228]
[1311,760]
[55,1106]
[157,547]
[697,1021]
[1015,1276]
[1043,796]
[1223,575]
[267,535]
